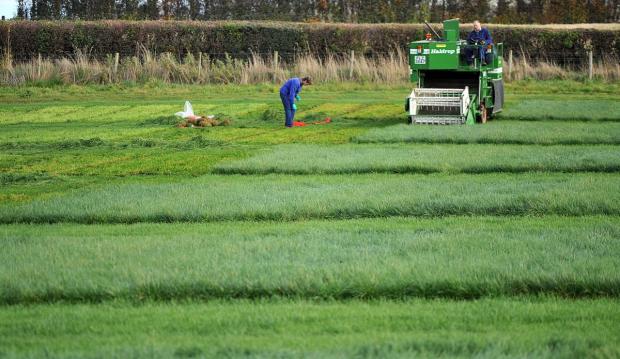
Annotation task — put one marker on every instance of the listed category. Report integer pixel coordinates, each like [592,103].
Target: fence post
[352,63]
[590,65]
[39,64]
[116,60]
[7,56]
[199,63]
[510,65]
[276,57]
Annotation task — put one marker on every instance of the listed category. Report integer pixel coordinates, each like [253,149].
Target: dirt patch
[206,121]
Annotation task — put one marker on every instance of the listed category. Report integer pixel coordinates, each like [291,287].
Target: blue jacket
[290,89]
[476,36]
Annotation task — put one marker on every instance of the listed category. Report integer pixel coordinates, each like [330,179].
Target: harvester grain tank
[449,90]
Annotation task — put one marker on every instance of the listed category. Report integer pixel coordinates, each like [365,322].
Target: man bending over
[289,92]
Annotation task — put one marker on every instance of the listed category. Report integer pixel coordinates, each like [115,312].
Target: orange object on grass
[302,124]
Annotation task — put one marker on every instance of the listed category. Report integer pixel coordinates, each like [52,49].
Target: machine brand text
[442,51]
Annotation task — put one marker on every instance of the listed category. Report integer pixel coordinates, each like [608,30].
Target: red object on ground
[302,124]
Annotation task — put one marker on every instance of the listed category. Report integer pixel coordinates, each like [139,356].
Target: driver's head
[477,26]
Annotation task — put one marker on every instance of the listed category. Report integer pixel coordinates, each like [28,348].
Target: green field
[125,236]
[523,327]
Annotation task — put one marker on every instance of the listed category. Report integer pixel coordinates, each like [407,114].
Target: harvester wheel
[482,117]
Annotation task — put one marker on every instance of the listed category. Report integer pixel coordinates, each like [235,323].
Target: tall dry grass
[606,69]
[82,68]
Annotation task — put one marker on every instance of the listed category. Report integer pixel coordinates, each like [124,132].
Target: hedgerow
[240,39]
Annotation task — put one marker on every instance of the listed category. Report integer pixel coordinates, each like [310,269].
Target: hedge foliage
[240,39]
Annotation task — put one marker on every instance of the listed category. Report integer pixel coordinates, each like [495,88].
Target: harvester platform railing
[439,106]
[497,51]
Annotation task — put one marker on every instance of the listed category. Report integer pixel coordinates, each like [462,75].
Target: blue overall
[288,91]
[474,38]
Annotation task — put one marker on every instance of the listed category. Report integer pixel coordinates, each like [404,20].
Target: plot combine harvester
[449,90]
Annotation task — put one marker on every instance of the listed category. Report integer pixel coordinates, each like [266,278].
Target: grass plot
[573,110]
[526,327]
[456,257]
[500,132]
[278,197]
[342,159]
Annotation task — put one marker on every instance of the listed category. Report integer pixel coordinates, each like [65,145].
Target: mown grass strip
[500,132]
[280,197]
[526,327]
[343,159]
[456,257]
[18,167]
[195,142]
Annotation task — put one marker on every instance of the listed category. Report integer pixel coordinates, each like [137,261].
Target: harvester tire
[482,116]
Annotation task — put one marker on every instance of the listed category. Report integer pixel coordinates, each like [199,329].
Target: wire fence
[587,63]
[563,59]
[284,56]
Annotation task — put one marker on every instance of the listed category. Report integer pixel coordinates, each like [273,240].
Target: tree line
[358,11]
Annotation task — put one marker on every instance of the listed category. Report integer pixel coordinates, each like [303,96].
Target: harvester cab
[450,88]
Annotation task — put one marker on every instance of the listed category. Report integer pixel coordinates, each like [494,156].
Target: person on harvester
[482,37]
[289,92]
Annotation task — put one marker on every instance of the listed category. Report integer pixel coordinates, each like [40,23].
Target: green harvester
[449,90]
